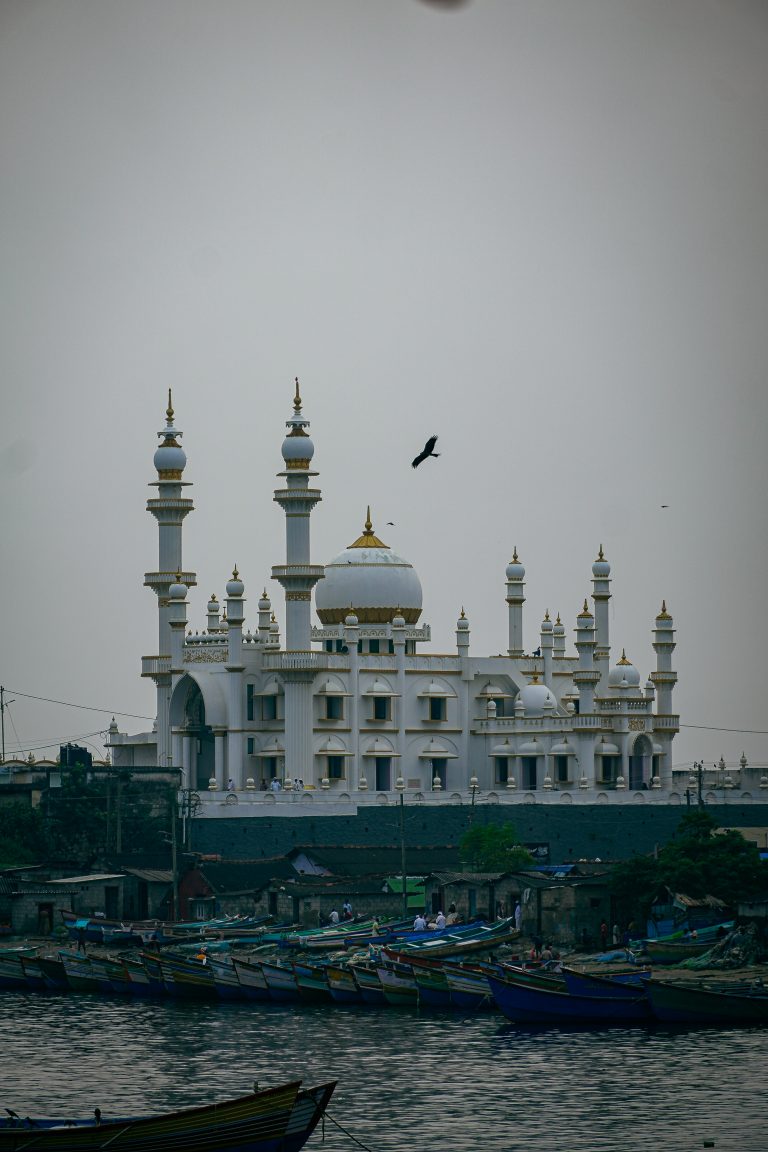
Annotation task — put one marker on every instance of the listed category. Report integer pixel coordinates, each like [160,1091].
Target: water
[407,1080]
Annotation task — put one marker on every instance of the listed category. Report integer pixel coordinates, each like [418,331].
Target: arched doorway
[188,715]
[640,763]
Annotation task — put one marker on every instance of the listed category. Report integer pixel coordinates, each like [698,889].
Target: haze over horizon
[535,229]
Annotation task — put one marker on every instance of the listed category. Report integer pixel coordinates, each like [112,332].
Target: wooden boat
[475,937]
[686,1003]
[591,984]
[186,977]
[675,951]
[277,1118]
[524,1003]
[397,982]
[251,979]
[366,977]
[312,982]
[281,981]
[343,987]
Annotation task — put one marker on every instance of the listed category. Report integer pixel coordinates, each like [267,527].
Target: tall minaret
[297,576]
[169,509]
[601,594]
[515,600]
[664,680]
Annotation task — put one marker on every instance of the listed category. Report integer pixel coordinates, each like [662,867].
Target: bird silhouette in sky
[665,505]
[426,451]
[390,523]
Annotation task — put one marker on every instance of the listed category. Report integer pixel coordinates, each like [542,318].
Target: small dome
[212,607]
[601,568]
[177,591]
[559,628]
[170,458]
[265,604]
[585,614]
[350,620]
[515,570]
[297,449]
[624,671]
[546,624]
[398,620]
[535,698]
[462,624]
[235,586]
[663,614]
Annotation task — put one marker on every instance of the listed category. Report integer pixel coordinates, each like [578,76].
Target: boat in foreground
[279,1119]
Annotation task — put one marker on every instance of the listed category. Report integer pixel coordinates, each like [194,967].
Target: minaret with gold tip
[515,600]
[169,509]
[601,594]
[298,577]
[664,679]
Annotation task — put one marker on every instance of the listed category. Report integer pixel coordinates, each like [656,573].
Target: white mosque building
[356,710]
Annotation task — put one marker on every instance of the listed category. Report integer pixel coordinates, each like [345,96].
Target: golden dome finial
[169,409]
[546,614]
[559,621]
[600,555]
[235,573]
[463,617]
[297,398]
[585,609]
[514,555]
[274,618]
[624,658]
[368,525]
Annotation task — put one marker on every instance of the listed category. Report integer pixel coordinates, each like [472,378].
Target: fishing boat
[343,986]
[527,1004]
[252,981]
[474,937]
[684,1003]
[675,951]
[276,1118]
[591,984]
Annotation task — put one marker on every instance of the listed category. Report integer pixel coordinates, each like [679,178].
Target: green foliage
[493,848]
[22,838]
[699,861]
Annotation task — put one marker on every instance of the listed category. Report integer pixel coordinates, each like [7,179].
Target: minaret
[177,622]
[558,633]
[235,668]
[169,509]
[664,680]
[585,678]
[546,640]
[515,600]
[265,613]
[297,576]
[601,594]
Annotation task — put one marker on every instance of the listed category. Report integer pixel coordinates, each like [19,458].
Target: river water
[408,1080]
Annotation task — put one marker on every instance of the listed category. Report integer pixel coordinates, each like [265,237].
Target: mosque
[355,710]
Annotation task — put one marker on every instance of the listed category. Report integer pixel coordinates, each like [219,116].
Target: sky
[537,228]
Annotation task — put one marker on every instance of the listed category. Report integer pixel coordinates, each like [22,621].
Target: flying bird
[427,451]
[390,523]
[665,505]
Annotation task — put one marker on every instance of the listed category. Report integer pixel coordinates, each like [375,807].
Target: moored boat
[525,1003]
[689,1003]
[275,1118]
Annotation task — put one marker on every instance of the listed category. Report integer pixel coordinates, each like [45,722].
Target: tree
[493,848]
[698,861]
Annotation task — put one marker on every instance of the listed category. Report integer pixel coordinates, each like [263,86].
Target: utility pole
[3,705]
[402,856]
[174,858]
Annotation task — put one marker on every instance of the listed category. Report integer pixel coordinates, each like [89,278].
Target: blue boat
[527,1004]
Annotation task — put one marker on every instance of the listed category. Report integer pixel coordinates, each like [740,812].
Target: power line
[739,731]
[84,707]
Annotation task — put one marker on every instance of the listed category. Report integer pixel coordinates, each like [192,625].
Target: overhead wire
[84,707]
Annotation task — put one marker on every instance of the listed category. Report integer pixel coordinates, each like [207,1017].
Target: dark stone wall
[572,833]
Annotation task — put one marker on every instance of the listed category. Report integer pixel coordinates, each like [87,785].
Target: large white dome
[371,579]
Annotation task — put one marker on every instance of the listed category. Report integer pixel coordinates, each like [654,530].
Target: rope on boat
[327,1116]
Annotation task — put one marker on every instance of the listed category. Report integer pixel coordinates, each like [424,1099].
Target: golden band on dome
[368,615]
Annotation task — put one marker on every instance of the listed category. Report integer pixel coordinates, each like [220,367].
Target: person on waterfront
[346,909]
[334,917]
[81,939]
[615,935]
[264,785]
[230,785]
[518,915]
[275,785]
[604,936]
[440,921]
[453,916]
[419,924]
[538,944]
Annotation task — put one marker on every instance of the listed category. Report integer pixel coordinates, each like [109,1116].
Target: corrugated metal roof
[151,875]
[91,878]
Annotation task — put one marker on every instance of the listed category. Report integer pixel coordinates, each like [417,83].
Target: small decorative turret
[462,634]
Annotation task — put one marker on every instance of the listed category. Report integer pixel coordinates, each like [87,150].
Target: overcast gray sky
[536,228]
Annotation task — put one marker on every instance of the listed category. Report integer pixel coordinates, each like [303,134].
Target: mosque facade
[355,709]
